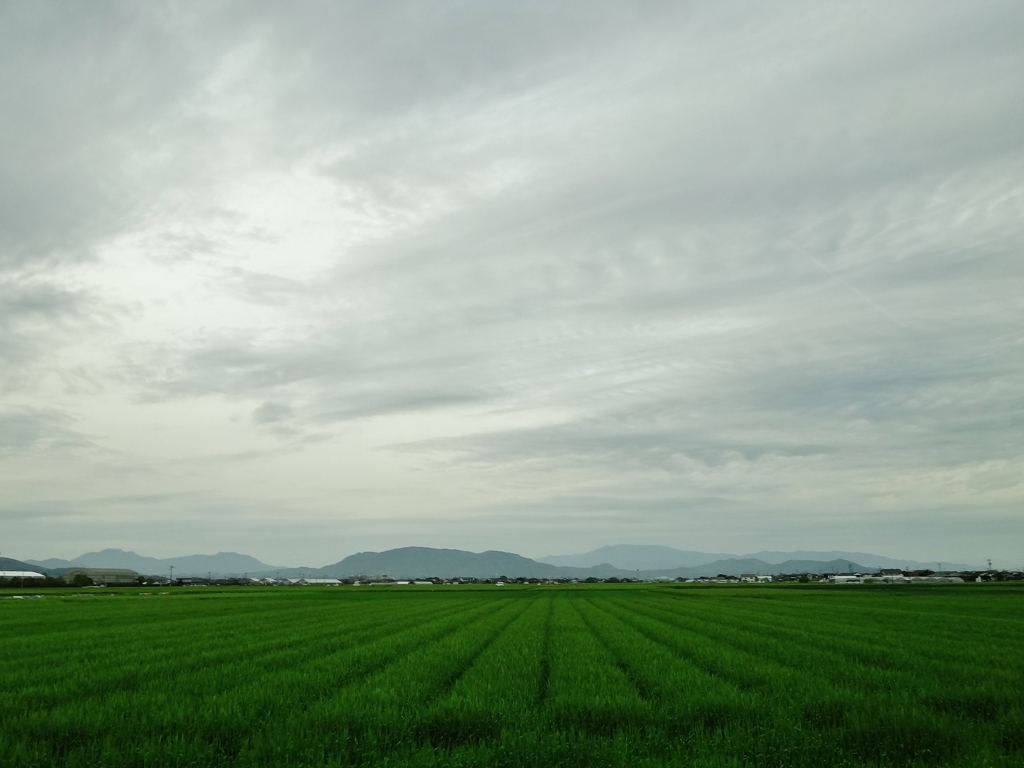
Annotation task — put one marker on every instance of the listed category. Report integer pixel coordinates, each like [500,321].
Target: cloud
[269,413]
[38,430]
[525,257]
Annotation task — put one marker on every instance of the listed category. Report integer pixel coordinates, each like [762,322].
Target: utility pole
[170,579]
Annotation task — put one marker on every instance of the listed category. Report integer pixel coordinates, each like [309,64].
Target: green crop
[589,675]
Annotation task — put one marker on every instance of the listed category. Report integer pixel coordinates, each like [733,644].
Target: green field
[518,676]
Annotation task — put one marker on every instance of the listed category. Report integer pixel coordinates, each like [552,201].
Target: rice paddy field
[594,675]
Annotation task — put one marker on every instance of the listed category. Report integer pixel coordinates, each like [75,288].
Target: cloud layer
[532,276]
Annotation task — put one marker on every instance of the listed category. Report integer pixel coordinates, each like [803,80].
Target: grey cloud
[766,248]
[76,102]
[612,445]
[261,288]
[347,379]
[269,413]
[366,62]
[30,309]
[38,430]
[37,317]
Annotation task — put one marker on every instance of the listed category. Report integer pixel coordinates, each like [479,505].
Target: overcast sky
[304,279]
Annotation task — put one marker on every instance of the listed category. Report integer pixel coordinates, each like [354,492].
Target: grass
[603,675]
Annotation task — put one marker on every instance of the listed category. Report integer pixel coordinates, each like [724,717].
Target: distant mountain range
[413,562]
[622,561]
[222,564]
[631,557]
[646,557]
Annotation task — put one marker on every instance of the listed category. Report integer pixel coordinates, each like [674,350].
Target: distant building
[21,575]
[112,576]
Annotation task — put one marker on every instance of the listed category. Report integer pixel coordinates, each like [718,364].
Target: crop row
[565,676]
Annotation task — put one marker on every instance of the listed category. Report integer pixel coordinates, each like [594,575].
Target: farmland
[515,676]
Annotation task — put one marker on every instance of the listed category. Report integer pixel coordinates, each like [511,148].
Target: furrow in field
[853,657]
[765,669]
[545,657]
[205,635]
[644,686]
[767,656]
[684,695]
[586,691]
[883,609]
[901,607]
[961,683]
[249,692]
[810,697]
[165,661]
[889,647]
[499,690]
[164,613]
[699,650]
[834,693]
[750,639]
[571,676]
[378,712]
[224,720]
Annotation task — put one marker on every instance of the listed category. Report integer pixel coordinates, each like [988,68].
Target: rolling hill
[221,564]
[622,561]
[648,557]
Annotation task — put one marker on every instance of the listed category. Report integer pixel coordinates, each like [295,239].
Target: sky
[305,279]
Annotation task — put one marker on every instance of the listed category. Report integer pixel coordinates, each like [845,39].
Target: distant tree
[81,580]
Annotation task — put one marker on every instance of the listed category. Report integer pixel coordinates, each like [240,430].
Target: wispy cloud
[478,271]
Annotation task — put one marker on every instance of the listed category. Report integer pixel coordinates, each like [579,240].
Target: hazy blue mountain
[412,562]
[417,562]
[652,557]
[221,564]
[420,562]
[865,558]
[225,563]
[52,562]
[118,558]
[736,566]
[630,557]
